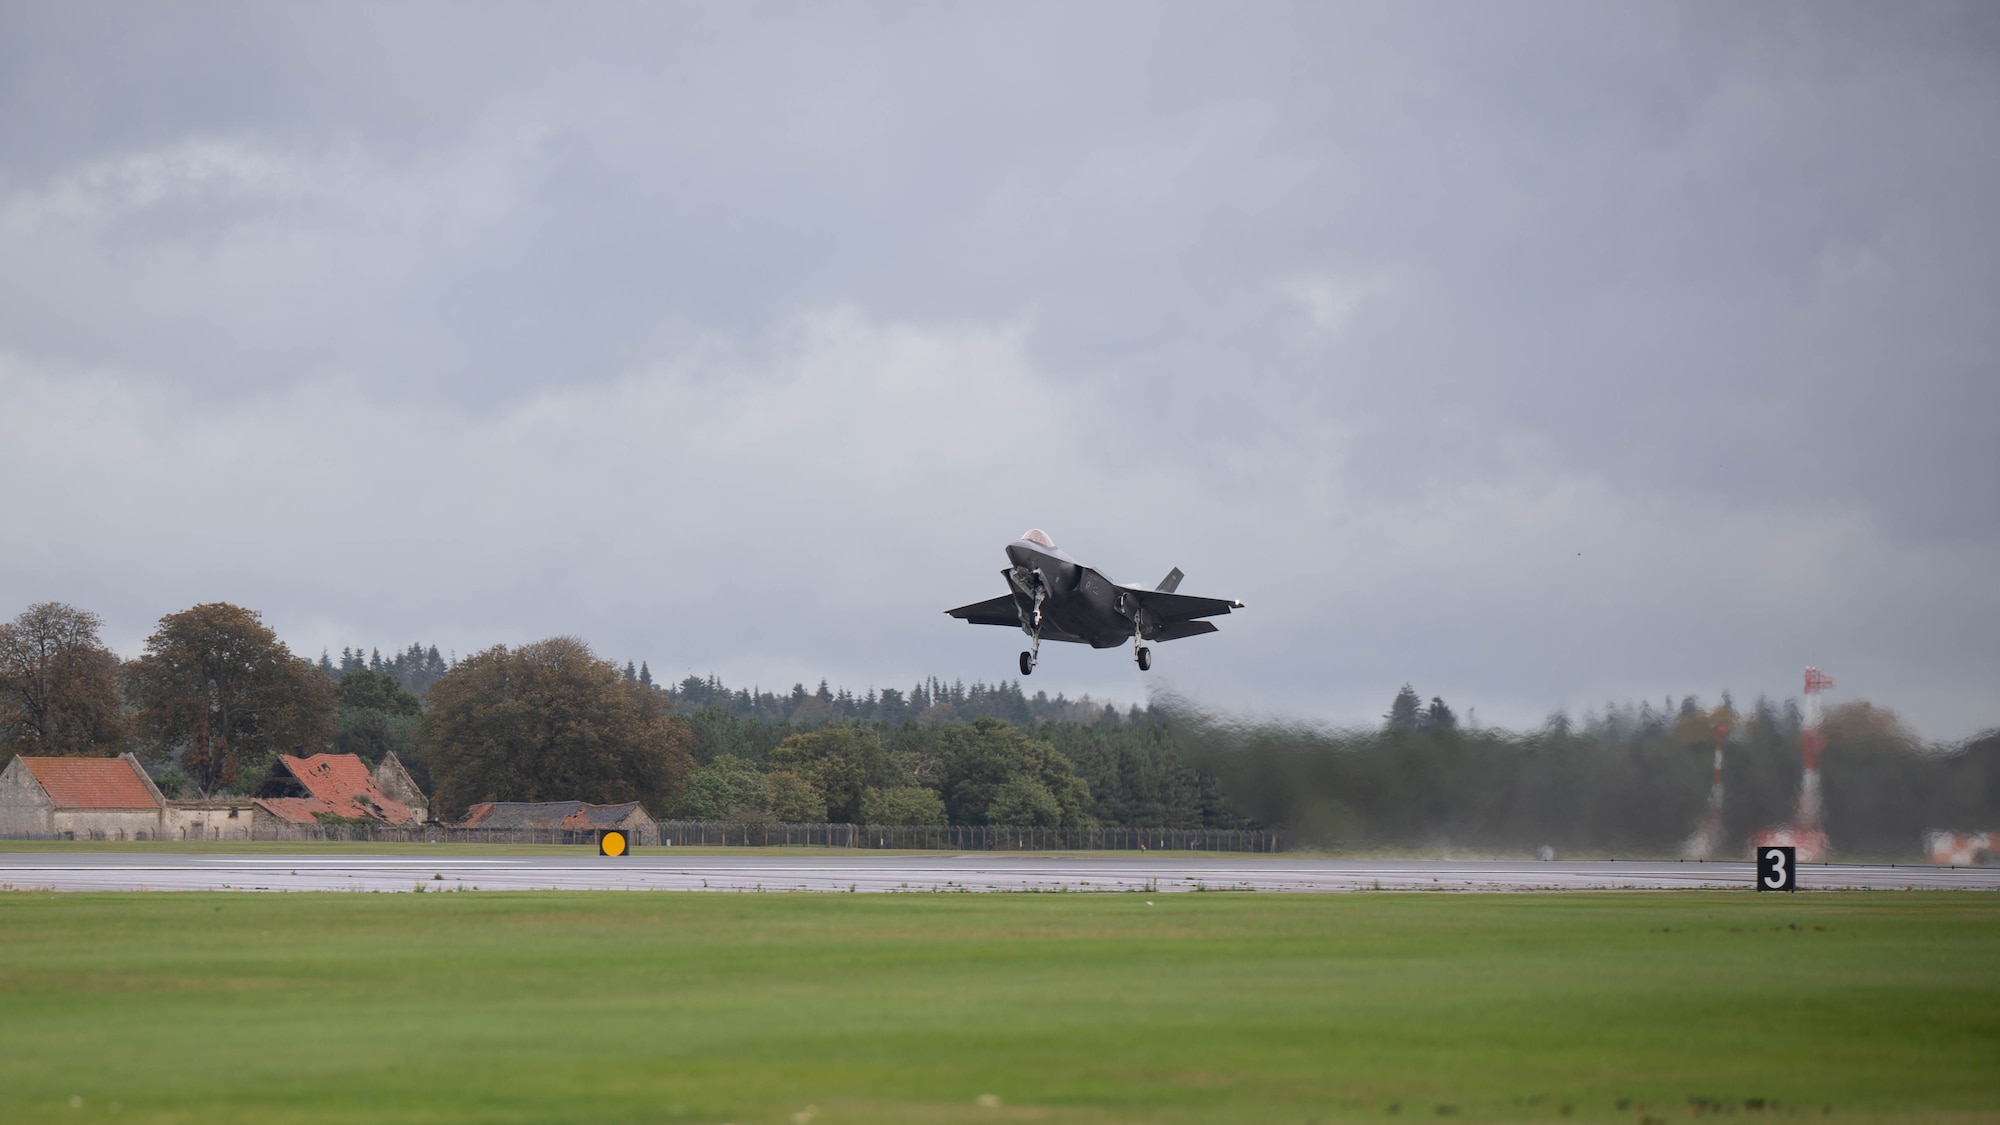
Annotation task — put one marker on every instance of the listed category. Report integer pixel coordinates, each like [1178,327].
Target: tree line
[1629,778]
[215,694]
[930,700]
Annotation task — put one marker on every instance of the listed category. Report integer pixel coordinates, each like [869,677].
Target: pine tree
[1439,716]
[1406,711]
[645,674]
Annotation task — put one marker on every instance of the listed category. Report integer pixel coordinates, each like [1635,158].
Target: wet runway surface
[661,869]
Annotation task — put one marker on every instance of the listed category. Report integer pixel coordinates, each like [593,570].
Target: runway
[661,870]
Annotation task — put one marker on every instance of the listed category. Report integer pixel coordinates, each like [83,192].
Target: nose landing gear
[1034,655]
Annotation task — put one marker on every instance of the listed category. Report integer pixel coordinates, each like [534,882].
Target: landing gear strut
[1034,655]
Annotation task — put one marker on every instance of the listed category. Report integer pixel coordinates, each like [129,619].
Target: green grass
[655,1007]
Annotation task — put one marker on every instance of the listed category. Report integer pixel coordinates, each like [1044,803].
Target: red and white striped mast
[1811,742]
[1805,832]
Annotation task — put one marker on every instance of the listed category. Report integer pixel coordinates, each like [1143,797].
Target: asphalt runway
[660,869]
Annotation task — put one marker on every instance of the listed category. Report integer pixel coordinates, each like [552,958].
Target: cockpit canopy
[1039,537]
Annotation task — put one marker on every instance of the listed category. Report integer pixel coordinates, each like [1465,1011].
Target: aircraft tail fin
[1171,582]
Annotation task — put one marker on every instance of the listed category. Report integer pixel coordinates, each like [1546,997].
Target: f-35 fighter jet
[1053,597]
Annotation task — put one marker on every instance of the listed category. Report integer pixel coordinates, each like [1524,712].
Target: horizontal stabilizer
[1002,610]
[1171,582]
[1165,607]
[1181,629]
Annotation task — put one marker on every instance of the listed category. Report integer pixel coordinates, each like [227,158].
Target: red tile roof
[297,810]
[339,784]
[549,815]
[92,783]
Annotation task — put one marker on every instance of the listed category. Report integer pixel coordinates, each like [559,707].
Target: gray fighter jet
[1053,597]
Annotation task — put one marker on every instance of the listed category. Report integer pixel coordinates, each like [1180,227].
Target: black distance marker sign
[1777,869]
[613,841]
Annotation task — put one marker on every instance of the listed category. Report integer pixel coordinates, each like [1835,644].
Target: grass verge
[615,1007]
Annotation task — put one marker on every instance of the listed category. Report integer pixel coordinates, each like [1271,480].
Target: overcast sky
[1538,355]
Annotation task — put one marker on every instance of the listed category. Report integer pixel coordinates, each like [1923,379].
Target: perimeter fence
[715,833]
[966,837]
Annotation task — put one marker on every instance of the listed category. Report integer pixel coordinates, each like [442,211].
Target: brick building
[80,799]
[303,791]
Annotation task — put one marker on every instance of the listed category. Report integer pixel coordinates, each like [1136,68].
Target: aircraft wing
[993,611]
[1005,610]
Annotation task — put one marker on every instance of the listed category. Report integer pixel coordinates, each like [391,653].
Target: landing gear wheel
[1027,664]
[1145,659]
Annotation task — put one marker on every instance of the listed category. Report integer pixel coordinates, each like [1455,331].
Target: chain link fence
[966,838]
[714,833]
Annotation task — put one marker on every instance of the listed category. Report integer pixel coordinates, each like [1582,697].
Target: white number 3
[1776,878]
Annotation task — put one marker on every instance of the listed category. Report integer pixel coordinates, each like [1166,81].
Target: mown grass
[657,1007]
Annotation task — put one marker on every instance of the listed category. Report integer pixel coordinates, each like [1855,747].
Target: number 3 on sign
[1777,869]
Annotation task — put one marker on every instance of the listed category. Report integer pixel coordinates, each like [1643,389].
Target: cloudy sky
[1538,355]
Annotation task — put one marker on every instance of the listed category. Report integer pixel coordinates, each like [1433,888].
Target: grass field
[610,1007]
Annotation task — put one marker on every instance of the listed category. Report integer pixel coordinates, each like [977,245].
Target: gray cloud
[1537,353]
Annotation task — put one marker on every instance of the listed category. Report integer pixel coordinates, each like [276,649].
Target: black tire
[1027,664]
[1145,659]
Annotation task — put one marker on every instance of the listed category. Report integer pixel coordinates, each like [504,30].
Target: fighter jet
[1051,596]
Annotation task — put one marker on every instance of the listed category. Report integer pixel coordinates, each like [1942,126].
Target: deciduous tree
[58,685]
[841,761]
[728,788]
[550,721]
[794,799]
[905,804]
[218,687]
[991,770]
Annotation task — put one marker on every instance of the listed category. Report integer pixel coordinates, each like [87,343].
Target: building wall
[396,783]
[645,831]
[24,806]
[107,824]
[210,820]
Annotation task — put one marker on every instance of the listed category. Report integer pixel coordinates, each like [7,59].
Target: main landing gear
[1144,656]
[1027,664]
